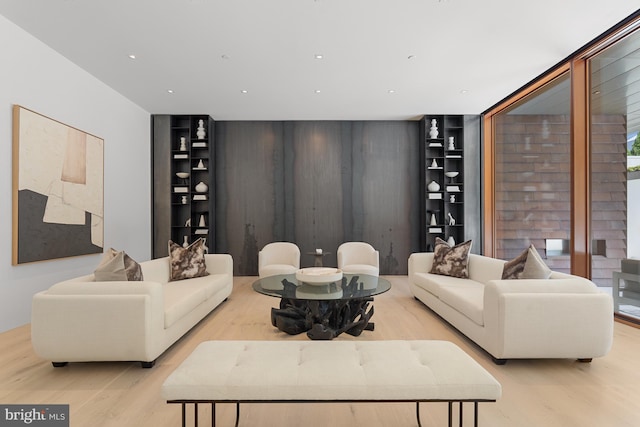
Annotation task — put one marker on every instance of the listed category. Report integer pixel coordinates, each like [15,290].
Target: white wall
[38,78]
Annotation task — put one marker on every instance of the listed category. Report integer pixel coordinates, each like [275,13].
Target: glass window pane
[532,175]
[615,184]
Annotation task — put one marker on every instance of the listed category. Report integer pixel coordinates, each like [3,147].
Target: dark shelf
[169,213]
[448,126]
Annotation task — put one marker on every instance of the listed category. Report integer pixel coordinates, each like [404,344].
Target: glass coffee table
[323,310]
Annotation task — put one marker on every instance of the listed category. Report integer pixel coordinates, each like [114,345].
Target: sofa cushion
[117,266]
[187,263]
[466,296]
[451,261]
[182,297]
[535,268]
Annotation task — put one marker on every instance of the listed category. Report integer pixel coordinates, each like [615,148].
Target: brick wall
[533,192]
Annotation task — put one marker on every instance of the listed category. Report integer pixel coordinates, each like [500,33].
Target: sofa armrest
[81,321]
[547,318]
[570,284]
[420,262]
[219,264]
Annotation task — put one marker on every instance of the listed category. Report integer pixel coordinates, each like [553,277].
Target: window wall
[558,160]
[614,90]
[532,175]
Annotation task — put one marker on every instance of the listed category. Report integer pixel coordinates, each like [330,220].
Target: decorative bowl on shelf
[182,175]
[451,175]
[319,275]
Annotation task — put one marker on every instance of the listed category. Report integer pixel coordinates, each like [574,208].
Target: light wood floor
[562,393]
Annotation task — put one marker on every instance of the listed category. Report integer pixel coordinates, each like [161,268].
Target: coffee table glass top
[352,286]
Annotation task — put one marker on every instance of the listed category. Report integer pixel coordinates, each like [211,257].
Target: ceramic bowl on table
[319,275]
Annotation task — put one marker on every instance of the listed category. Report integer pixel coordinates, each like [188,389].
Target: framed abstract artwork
[58,189]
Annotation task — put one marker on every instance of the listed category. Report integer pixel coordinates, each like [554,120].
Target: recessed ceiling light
[317,91]
[224,56]
[244,91]
[170,90]
[391,91]
[318,56]
[410,57]
[463,91]
[132,56]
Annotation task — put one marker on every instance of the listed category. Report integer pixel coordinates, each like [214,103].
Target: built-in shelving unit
[441,179]
[183,180]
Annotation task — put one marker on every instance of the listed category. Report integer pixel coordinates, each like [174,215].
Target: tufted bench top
[245,371]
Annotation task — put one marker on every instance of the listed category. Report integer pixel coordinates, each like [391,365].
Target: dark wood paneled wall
[317,184]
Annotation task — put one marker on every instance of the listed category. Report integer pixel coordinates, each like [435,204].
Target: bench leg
[475,414]
[237,413]
[418,414]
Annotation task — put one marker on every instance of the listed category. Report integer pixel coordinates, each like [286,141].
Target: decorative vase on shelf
[433,131]
[433,220]
[202,187]
[433,186]
[202,223]
[434,163]
[452,198]
[201,132]
[200,164]
[452,145]
[183,143]
[451,241]
[185,242]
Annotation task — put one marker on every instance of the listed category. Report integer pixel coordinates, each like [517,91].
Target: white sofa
[80,320]
[564,316]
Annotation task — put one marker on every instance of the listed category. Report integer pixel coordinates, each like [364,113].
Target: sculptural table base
[322,319]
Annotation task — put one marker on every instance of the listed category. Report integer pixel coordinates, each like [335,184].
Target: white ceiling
[208,51]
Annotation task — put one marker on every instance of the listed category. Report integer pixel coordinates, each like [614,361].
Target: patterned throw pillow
[187,263]
[117,266]
[451,261]
[513,269]
[527,265]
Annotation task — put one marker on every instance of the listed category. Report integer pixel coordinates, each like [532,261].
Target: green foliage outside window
[635,148]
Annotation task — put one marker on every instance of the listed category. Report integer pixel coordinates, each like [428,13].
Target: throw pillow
[117,266]
[535,268]
[513,269]
[451,261]
[187,263]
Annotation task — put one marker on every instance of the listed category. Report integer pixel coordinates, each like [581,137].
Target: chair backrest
[357,253]
[279,253]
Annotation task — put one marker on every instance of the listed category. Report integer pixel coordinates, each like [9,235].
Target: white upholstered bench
[329,371]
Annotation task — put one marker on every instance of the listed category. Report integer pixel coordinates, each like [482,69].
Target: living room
[39,78]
